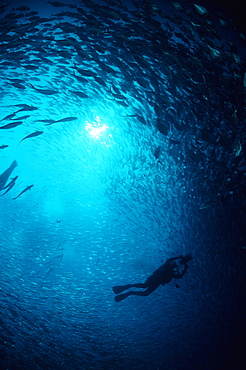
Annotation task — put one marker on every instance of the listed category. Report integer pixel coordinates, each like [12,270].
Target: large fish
[33,134]
[9,116]
[8,189]
[11,182]
[23,191]
[5,175]
[11,125]
[10,185]
[66,119]
[26,107]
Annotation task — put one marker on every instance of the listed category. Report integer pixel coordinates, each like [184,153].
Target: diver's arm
[174,258]
[178,275]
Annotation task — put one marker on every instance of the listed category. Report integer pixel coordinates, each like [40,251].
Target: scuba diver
[163,275]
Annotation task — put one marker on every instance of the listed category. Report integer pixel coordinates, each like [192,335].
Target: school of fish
[173,61]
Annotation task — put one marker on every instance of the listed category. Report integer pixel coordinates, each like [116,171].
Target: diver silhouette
[163,275]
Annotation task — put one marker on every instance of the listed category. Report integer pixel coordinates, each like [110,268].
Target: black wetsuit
[163,275]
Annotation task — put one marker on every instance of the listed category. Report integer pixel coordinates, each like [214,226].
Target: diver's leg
[120,288]
[148,291]
[139,285]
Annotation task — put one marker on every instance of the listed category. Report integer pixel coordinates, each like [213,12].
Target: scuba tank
[186,259]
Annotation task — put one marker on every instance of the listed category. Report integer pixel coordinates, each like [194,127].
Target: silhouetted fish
[67,119]
[11,182]
[47,121]
[11,125]
[10,185]
[5,175]
[33,134]
[9,116]
[23,191]
[45,91]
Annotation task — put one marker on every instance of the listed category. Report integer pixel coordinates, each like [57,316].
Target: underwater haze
[122,144]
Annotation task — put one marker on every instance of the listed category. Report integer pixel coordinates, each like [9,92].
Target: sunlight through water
[96,128]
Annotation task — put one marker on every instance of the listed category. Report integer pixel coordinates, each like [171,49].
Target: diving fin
[120,297]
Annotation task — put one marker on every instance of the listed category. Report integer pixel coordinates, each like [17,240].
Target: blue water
[103,210]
